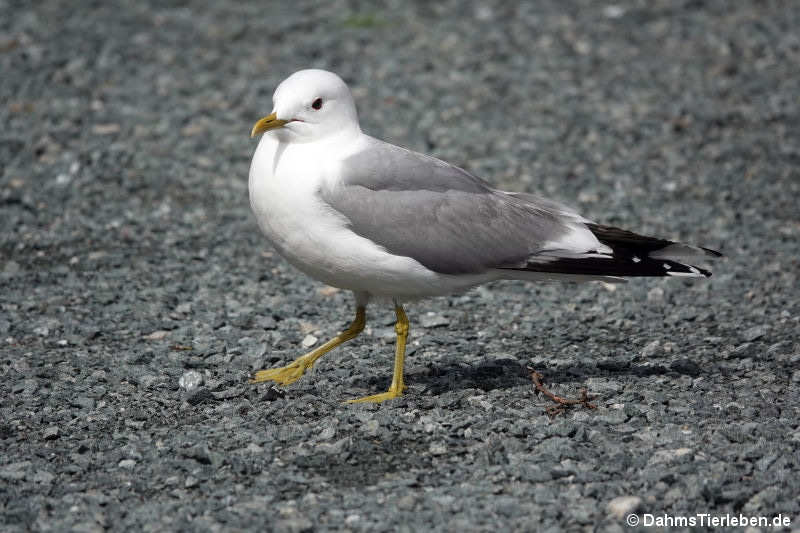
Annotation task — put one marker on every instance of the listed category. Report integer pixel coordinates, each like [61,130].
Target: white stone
[309,341]
[651,349]
[190,380]
[622,506]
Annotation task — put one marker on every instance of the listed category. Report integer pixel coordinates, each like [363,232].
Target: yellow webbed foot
[393,392]
[283,375]
[295,370]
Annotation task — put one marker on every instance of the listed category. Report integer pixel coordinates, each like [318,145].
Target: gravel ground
[130,265]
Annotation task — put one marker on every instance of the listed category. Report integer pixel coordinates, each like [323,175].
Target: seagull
[394,225]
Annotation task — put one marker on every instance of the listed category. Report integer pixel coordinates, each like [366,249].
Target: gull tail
[631,255]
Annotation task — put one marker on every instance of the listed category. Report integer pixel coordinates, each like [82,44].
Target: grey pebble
[83,402]
[43,477]
[199,395]
[127,464]
[432,320]
[666,456]
[612,416]
[651,349]
[754,333]
[686,366]
[273,393]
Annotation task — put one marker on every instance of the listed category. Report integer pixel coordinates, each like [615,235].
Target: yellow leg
[397,387]
[292,372]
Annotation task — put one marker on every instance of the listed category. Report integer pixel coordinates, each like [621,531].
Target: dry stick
[563,403]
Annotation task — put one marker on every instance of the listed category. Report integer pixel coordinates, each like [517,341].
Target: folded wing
[454,223]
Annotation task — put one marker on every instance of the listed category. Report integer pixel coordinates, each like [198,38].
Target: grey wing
[448,220]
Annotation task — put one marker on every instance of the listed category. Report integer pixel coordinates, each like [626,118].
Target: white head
[308,106]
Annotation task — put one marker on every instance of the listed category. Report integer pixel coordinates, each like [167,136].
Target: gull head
[308,106]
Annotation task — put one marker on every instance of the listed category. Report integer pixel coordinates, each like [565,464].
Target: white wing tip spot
[693,272]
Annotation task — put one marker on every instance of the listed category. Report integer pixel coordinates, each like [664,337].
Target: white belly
[315,239]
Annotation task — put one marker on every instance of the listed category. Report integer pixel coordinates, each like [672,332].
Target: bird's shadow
[437,379]
[503,374]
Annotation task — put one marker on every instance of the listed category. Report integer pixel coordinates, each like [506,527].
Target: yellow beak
[270,122]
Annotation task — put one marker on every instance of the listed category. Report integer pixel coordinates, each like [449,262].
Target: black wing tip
[632,255]
[618,265]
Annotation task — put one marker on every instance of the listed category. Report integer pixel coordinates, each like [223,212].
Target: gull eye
[317,104]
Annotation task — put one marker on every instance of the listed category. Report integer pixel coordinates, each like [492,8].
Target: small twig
[563,403]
